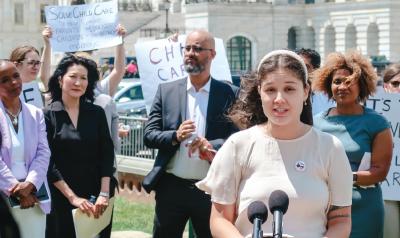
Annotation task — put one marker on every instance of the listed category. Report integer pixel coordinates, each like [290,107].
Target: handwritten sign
[162,61]
[389,105]
[31,94]
[83,27]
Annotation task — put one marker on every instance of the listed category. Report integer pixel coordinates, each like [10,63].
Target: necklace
[14,120]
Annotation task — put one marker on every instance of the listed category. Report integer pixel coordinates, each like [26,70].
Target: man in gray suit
[187,123]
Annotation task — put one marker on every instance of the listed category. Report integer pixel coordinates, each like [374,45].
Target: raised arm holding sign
[83,27]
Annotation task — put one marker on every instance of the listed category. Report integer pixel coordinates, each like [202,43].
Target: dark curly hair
[359,67]
[314,56]
[61,70]
[247,110]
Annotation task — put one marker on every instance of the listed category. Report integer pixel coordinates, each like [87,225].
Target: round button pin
[300,166]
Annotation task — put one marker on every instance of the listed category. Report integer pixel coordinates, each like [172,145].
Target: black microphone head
[278,201]
[257,209]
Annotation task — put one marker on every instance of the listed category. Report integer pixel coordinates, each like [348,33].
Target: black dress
[80,156]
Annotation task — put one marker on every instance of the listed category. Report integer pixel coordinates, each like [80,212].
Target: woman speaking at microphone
[279,150]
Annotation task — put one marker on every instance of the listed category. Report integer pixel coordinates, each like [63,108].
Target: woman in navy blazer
[25,153]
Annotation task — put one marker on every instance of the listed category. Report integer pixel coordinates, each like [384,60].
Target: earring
[305,103]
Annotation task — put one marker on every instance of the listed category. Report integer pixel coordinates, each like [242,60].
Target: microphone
[257,213]
[278,204]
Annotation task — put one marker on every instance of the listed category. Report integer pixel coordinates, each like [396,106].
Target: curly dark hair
[390,72]
[61,70]
[359,67]
[314,56]
[247,110]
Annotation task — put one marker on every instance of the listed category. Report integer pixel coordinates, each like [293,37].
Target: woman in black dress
[82,152]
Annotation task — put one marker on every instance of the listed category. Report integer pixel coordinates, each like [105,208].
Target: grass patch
[132,216]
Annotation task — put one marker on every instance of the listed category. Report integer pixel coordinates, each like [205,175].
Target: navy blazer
[169,111]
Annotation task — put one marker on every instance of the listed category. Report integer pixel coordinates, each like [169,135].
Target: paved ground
[134,234]
[129,234]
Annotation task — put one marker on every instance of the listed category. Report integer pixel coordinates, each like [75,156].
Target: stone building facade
[370,26]
[249,28]
[21,22]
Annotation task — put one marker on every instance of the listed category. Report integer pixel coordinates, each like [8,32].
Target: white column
[8,10]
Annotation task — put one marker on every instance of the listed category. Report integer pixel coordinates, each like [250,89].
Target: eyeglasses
[196,49]
[395,84]
[33,63]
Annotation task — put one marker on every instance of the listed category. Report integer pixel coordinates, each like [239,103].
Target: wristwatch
[355,177]
[104,194]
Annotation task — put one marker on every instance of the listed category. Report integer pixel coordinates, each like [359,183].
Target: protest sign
[83,27]
[31,94]
[389,105]
[162,61]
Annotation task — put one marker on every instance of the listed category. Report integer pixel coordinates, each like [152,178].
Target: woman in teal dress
[349,79]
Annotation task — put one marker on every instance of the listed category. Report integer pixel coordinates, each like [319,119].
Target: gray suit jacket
[168,112]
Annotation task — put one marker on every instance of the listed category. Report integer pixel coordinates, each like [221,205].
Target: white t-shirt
[31,94]
[103,86]
[312,169]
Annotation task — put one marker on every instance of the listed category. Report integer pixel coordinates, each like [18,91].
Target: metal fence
[133,145]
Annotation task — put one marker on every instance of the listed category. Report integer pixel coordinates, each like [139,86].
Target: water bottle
[92,199]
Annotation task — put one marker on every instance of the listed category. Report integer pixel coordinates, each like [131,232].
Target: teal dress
[357,132]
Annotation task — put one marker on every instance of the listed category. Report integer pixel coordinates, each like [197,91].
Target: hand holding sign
[47,33]
[121,31]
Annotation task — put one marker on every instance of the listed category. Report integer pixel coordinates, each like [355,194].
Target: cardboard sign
[162,61]
[388,104]
[83,27]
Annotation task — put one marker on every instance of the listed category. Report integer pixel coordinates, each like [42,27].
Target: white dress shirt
[181,164]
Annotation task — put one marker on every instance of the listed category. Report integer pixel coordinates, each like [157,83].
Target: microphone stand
[277,225]
[257,231]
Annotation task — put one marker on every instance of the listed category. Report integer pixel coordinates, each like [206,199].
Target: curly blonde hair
[359,67]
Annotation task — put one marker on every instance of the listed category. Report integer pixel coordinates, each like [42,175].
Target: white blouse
[312,169]
[18,167]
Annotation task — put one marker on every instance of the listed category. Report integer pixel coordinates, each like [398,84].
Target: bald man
[187,125]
